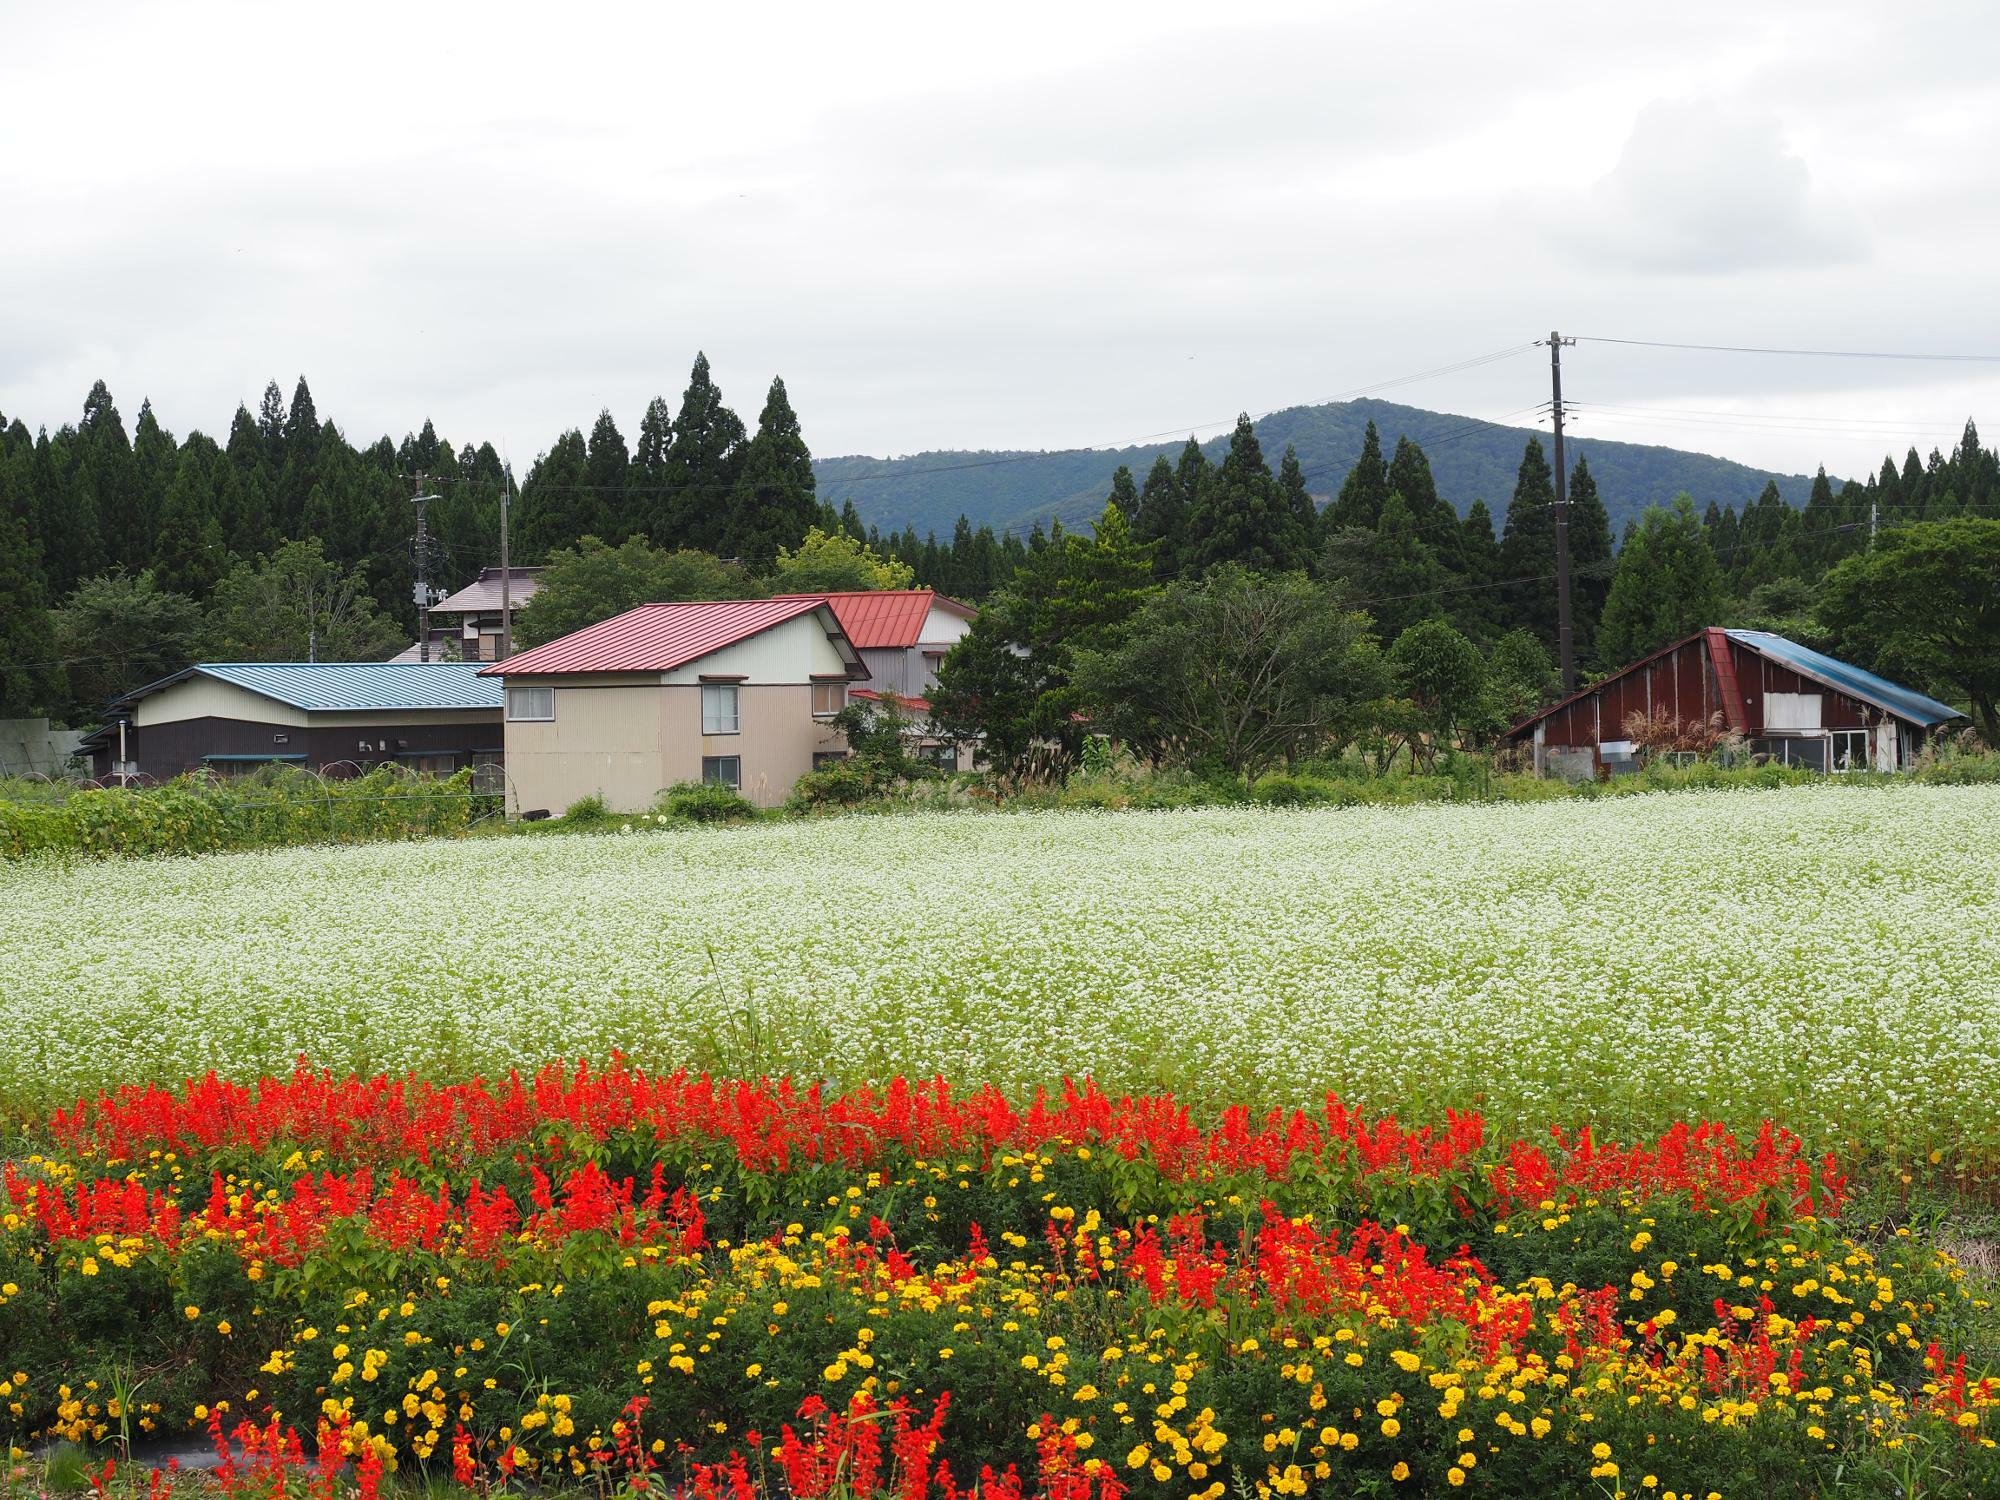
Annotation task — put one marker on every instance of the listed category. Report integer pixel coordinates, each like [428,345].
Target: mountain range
[1471,459]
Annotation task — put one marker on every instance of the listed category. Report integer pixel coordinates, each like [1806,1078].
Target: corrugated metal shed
[1892,697]
[658,637]
[882,619]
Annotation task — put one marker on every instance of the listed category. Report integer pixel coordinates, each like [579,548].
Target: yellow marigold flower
[1390,1427]
[1455,1477]
[1405,1361]
[1600,1451]
[1400,1472]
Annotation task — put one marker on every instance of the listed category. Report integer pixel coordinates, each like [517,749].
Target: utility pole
[422,591]
[1565,640]
[506,577]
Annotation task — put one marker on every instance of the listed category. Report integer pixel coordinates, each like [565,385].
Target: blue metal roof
[358,685]
[1904,703]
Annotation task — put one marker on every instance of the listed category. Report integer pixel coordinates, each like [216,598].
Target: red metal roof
[886,618]
[915,705]
[657,637]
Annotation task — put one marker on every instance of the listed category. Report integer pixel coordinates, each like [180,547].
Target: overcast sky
[970,226]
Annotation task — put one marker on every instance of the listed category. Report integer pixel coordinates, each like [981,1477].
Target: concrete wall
[31,747]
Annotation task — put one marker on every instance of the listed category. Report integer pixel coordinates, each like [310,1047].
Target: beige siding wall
[795,651]
[776,741]
[210,698]
[605,740]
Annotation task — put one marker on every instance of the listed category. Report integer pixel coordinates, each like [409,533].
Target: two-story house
[902,635]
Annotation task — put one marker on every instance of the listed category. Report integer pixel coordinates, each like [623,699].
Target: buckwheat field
[1825,956]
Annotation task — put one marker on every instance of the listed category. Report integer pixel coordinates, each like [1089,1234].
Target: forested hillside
[1472,460]
[126,553]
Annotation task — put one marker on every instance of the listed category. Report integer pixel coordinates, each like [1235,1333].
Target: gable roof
[335,686]
[660,637]
[482,595]
[1845,677]
[884,619]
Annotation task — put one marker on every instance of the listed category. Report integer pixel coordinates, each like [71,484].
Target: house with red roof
[903,635]
[737,692]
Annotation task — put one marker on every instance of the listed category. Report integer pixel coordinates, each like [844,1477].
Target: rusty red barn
[1790,702]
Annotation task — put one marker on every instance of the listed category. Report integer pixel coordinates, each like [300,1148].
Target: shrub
[202,814]
[704,802]
[586,812]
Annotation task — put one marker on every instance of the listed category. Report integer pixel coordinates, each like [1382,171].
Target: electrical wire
[1989,359]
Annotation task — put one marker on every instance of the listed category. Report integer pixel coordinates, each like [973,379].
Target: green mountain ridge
[1471,459]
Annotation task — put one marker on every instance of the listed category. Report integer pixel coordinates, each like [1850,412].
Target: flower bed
[609,1275]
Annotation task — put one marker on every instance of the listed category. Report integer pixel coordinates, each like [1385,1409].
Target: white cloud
[1712,188]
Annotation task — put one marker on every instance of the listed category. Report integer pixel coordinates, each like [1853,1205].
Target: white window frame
[834,685]
[516,693]
[721,778]
[713,696]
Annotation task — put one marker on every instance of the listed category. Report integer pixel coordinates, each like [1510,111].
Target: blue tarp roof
[335,686]
[1904,703]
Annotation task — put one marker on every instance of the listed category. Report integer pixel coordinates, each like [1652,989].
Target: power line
[1803,353]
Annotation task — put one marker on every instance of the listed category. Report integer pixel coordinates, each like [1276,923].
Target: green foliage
[1007,683]
[1443,674]
[773,506]
[1922,604]
[1233,671]
[1365,490]
[274,808]
[31,677]
[703,462]
[297,604]
[593,581]
[704,802]
[833,563]
[1666,586]
[122,630]
[1242,515]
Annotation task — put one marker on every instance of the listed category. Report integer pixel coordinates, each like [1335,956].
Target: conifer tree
[1666,586]
[1298,503]
[1528,548]
[604,473]
[1161,517]
[776,501]
[703,462]
[557,510]
[1408,580]
[1362,493]
[31,678]
[1241,515]
[1474,604]
[1590,561]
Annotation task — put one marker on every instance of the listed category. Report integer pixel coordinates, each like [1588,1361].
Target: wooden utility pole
[422,591]
[506,577]
[1565,640]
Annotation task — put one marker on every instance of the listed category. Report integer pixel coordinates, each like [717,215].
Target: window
[939,757]
[829,698]
[429,763]
[529,704]
[1850,750]
[722,770]
[718,709]
[827,759]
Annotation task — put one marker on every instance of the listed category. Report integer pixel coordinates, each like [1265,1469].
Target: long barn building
[1791,703]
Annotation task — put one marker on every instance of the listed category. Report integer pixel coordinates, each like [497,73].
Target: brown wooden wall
[164,751]
[1682,682]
